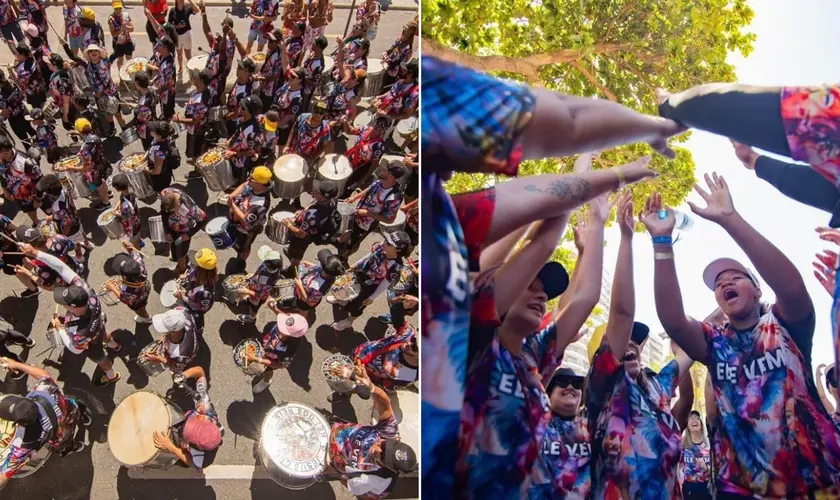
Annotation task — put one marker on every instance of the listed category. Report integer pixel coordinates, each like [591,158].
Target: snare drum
[231,286]
[334,368]
[105,295]
[406,132]
[51,109]
[151,368]
[8,432]
[345,288]
[397,225]
[220,231]
[375,75]
[248,346]
[294,440]
[283,290]
[131,68]
[289,176]
[336,169]
[132,427]
[196,64]
[277,231]
[108,105]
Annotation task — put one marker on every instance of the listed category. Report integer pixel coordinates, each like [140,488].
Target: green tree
[622,50]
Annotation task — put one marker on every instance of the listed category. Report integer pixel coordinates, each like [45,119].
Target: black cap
[72,296]
[327,189]
[247,64]
[126,266]
[323,255]
[57,61]
[562,373]
[168,43]
[396,168]
[18,409]
[398,457]
[640,332]
[120,182]
[554,279]
[694,412]
[830,378]
[27,234]
[35,114]
[398,239]
[253,104]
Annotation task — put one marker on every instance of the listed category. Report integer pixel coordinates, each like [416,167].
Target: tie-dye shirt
[350,444]
[146,112]
[45,135]
[20,177]
[376,267]
[367,149]
[255,207]
[472,122]
[188,215]
[71,21]
[636,440]
[199,298]
[7,15]
[99,76]
[197,108]
[61,86]
[11,100]
[314,283]
[264,8]
[383,358]
[246,138]
[695,463]
[397,57]
[811,118]
[277,350]
[563,468]
[262,283]
[313,69]
[775,438]
[29,77]
[403,96]
[379,200]
[273,66]
[129,215]
[288,103]
[164,82]
[309,140]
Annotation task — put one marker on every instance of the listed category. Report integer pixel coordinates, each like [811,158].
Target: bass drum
[294,440]
[132,427]
[8,430]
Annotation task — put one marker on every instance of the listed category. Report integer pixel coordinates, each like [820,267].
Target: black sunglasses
[576,383]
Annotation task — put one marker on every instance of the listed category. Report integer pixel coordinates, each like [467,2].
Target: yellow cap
[269,125]
[206,258]
[116,4]
[81,125]
[595,341]
[261,175]
[88,13]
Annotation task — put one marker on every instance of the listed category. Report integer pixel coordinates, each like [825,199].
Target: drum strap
[46,405]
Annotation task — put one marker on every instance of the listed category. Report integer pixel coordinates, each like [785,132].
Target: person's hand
[666,129]
[820,368]
[179,293]
[600,209]
[410,301]
[288,222]
[719,205]
[28,250]
[746,154]
[825,270]
[113,288]
[658,220]
[127,245]
[637,170]
[339,41]
[161,441]
[230,154]
[201,6]
[829,234]
[250,357]
[624,213]
[363,212]
[287,150]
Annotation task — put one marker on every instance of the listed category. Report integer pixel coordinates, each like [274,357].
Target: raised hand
[746,154]
[718,200]
[600,209]
[624,213]
[666,129]
[637,170]
[825,270]
[829,234]
[658,220]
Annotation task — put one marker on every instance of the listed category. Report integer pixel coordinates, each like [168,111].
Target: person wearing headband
[760,353]
[249,204]
[563,469]
[346,92]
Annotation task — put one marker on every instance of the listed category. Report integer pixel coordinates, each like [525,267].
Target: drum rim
[225,223]
[165,402]
[326,444]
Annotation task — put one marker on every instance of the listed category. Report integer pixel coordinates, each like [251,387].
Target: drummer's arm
[241,48]
[32,371]
[158,166]
[76,59]
[381,402]
[111,28]
[152,20]
[67,274]
[358,196]
[205,26]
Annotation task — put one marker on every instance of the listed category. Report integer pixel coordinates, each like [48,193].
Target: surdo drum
[289,176]
[277,231]
[374,78]
[336,169]
[132,427]
[220,230]
[294,440]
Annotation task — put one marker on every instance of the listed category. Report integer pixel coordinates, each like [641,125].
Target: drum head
[132,427]
[242,349]
[197,63]
[217,225]
[374,65]
[333,366]
[105,218]
[406,405]
[407,126]
[328,63]
[290,168]
[280,216]
[363,119]
[167,294]
[334,167]
[294,438]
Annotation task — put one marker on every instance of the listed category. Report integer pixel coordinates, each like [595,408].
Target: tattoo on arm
[573,188]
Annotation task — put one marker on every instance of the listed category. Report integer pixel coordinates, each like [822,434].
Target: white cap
[716,267]
[170,321]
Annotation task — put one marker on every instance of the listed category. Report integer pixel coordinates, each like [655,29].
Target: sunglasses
[575,383]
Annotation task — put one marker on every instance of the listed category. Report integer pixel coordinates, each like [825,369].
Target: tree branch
[527,66]
[641,76]
[594,80]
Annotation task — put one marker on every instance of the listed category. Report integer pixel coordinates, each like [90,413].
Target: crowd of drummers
[289,100]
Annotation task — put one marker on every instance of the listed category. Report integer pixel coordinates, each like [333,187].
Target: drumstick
[61,38]
[10,240]
[13,253]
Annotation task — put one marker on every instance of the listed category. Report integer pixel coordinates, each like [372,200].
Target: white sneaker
[332,300]
[260,386]
[222,199]
[141,320]
[342,325]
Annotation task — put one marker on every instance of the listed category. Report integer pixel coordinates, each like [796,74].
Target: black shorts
[168,107]
[297,247]
[195,144]
[244,240]
[9,263]
[96,350]
[26,205]
[125,49]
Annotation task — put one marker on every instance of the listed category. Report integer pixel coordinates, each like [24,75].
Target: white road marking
[218,472]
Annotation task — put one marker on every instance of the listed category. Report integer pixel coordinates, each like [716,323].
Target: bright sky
[796,45]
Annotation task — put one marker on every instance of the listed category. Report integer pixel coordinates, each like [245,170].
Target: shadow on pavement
[232,332]
[375,329]
[137,489]
[245,418]
[326,338]
[265,488]
[88,217]
[20,314]
[301,364]
[51,481]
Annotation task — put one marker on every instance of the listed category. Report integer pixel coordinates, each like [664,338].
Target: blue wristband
[662,240]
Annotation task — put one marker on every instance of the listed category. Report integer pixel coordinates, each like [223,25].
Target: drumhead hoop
[132,426]
[290,168]
[280,216]
[295,437]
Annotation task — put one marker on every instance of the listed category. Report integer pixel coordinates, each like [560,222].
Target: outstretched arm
[773,266]
[623,296]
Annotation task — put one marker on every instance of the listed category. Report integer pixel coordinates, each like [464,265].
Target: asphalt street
[236,473]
